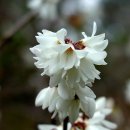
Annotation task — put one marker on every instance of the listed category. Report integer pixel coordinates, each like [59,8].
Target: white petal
[53,96]
[72,77]
[100,103]
[46,127]
[88,71]
[84,34]
[55,79]
[88,106]
[65,91]
[74,111]
[106,111]
[61,35]
[35,50]
[54,114]
[46,42]
[68,60]
[52,104]
[42,97]
[100,46]
[48,33]
[92,127]
[94,29]
[85,92]
[99,127]
[95,39]
[98,114]
[97,57]
[81,53]
[62,105]
[109,124]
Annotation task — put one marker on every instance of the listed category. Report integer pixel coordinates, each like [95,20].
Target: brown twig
[16,27]
[65,123]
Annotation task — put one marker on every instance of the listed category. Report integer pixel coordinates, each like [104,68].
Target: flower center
[77,45]
[69,50]
[80,125]
[67,41]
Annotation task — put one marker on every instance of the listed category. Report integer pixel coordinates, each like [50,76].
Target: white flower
[83,99]
[59,100]
[98,121]
[57,54]
[101,106]
[48,58]
[45,8]
[127,91]
[95,46]
[53,127]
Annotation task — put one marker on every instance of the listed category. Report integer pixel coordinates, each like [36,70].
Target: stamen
[79,45]
[69,50]
[80,125]
[58,42]
[67,41]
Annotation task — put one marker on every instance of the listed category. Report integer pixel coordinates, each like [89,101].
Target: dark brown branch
[16,27]
[65,123]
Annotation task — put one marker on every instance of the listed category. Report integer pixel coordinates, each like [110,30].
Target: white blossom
[52,127]
[57,54]
[45,8]
[71,67]
[67,104]
[98,121]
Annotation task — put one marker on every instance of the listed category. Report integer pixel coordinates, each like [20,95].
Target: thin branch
[65,123]
[16,27]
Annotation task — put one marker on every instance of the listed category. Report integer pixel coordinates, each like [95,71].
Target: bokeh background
[20,80]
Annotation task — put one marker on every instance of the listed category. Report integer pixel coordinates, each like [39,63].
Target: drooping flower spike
[70,66]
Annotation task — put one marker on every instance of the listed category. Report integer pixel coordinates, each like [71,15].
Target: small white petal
[61,35]
[100,103]
[53,99]
[106,111]
[41,97]
[85,92]
[65,91]
[48,33]
[100,46]
[54,114]
[68,60]
[95,39]
[109,124]
[74,111]
[46,127]
[88,106]
[55,79]
[97,57]
[84,34]
[94,29]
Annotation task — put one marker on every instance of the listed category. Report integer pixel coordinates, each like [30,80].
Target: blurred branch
[8,93]
[16,27]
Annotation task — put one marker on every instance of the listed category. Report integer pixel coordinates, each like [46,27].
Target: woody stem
[65,123]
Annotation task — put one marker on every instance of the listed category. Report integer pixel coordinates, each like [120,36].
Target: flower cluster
[97,122]
[71,67]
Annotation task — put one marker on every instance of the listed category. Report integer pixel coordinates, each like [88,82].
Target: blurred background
[20,80]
